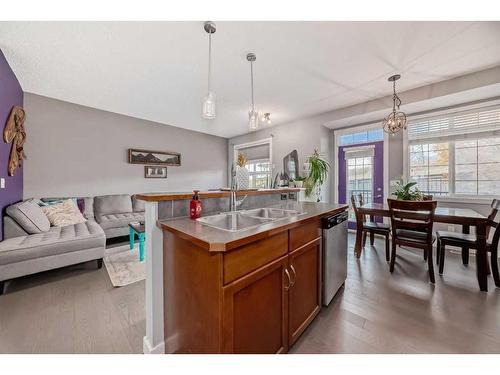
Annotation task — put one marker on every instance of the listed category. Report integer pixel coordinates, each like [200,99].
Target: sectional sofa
[31,246]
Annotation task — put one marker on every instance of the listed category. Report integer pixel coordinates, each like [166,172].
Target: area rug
[123,265]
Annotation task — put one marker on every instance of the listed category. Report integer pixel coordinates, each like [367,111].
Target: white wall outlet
[2,183]
[394,183]
[451,228]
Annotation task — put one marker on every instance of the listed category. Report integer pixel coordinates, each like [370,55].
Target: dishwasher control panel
[328,222]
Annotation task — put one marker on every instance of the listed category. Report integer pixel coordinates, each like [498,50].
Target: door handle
[294,275]
[289,279]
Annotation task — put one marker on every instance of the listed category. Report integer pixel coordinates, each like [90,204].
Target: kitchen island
[247,291]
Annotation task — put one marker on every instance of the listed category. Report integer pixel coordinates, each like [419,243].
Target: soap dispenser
[195,206]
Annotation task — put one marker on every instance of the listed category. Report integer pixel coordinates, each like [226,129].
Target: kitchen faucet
[233,202]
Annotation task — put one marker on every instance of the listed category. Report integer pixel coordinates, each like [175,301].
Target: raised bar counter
[158,197]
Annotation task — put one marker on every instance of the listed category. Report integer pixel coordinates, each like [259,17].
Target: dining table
[465,217]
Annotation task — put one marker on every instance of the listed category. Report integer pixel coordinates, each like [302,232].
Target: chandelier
[396,120]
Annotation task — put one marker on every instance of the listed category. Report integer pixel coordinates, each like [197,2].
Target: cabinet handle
[294,275]
[289,279]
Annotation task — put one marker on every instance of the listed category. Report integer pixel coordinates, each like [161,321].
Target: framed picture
[172,159]
[152,171]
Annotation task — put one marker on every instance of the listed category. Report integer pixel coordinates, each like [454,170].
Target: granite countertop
[217,240]
[157,197]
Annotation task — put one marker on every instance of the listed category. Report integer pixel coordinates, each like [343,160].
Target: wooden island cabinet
[256,296]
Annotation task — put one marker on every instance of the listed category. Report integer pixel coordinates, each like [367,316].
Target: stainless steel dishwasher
[334,254]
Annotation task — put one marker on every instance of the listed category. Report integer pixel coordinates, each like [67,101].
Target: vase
[242,178]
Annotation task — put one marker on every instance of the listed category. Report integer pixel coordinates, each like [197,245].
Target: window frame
[452,196]
[260,142]
[356,129]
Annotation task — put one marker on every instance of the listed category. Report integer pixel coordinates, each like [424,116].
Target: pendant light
[396,120]
[253,116]
[267,118]
[209,102]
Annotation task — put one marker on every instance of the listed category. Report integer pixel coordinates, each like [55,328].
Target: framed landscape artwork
[152,171]
[172,159]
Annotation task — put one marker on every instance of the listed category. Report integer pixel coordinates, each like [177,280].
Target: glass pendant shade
[253,120]
[209,106]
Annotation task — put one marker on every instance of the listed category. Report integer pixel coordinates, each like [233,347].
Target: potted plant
[299,181]
[408,192]
[318,173]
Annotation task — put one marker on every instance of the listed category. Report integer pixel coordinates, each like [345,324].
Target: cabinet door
[304,296]
[255,311]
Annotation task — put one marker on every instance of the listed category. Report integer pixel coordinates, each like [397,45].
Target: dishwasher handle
[331,221]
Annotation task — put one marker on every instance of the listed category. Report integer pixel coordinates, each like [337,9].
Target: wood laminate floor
[77,310]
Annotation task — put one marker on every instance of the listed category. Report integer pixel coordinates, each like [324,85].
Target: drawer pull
[294,275]
[289,279]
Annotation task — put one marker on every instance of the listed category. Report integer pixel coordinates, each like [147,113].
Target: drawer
[304,233]
[248,258]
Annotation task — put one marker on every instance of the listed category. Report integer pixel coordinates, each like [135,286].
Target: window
[259,172]
[477,166]
[429,165]
[362,137]
[359,179]
[456,154]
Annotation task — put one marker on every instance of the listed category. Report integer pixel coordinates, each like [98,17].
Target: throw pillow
[64,213]
[29,216]
[79,202]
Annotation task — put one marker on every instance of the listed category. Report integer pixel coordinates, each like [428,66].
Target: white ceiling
[158,70]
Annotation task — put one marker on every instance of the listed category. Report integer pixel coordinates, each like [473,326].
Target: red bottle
[195,206]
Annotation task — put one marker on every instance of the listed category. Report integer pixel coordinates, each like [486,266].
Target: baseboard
[148,349]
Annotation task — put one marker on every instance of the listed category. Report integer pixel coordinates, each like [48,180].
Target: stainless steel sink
[233,222]
[243,220]
[271,213]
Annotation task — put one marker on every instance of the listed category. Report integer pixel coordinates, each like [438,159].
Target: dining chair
[468,241]
[412,223]
[370,227]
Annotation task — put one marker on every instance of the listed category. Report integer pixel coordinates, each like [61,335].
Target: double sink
[246,219]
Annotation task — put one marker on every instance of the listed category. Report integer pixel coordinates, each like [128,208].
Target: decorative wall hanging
[14,133]
[172,159]
[151,171]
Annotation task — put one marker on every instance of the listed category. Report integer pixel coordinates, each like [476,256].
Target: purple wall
[11,94]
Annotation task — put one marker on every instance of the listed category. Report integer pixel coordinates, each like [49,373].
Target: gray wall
[301,135]
[77,150]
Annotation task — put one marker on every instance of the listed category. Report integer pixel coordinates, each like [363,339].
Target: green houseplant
[318,173]
[408,192]
[299,181]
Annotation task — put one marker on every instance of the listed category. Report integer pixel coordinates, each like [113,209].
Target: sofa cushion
[112,204]
[57,240]
[29,216]
[138,205]
[64,213]
[119,220]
